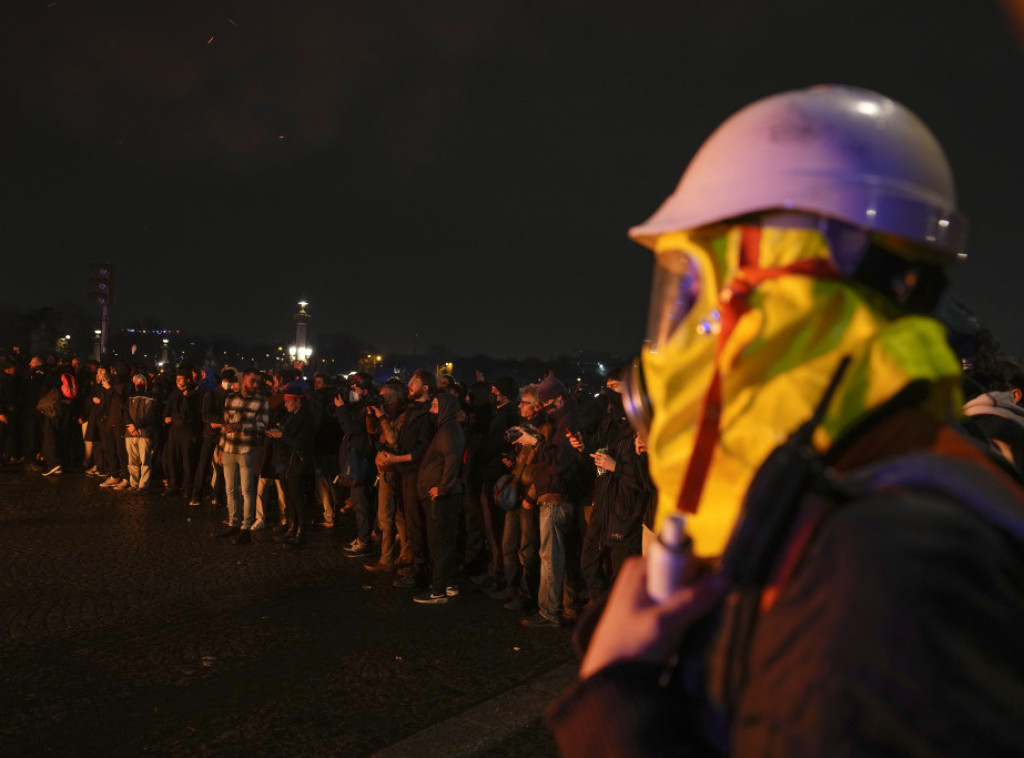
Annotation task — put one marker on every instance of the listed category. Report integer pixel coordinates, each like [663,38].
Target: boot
[296,542]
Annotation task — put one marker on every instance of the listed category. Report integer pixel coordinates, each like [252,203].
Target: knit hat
[295,389]
[551,388]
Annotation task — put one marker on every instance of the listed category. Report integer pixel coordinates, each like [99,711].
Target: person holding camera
[520,539]
[383,412]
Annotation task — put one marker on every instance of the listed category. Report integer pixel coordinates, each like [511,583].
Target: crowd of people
[853,530]
[537,493]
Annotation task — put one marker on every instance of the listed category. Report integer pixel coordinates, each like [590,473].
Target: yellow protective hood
[782,320]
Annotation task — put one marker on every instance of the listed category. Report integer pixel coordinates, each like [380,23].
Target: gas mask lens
[674,291]
[635,400]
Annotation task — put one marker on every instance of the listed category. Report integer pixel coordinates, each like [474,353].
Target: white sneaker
[357,548]
[121,485]
[258,524]
[92,471]
[52,471]
[110,481]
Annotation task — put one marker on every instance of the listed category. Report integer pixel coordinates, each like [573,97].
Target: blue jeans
[520,544]
[555,520]
[245,466]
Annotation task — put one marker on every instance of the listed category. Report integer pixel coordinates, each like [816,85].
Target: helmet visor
[675,289]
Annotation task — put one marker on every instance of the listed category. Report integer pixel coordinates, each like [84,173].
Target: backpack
[69,386]
[49,403]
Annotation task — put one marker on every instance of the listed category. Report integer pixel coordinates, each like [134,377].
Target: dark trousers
[442,528]
[114,451]
[521,548]
[30,432]
[206,451]
[51,444]
[594,556]
[473,549]
[492,518]
[179,458]
[295,491]
[415,522]
[67,451]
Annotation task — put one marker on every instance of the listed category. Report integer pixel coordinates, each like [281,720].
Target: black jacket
[182,409]
[293,452]
[892,627]
[415,430]
[493,445]
[442,461]
[559,467]
[212,410]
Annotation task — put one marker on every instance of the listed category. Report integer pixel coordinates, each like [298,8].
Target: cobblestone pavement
[127,629]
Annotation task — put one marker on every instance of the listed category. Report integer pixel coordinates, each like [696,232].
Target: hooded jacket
[141,412]
[559,466]
[414,430]
[442,462]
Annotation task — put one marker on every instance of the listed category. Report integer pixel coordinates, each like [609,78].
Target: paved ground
[126,629]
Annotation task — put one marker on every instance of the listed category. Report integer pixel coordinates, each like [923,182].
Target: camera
[513,433]
[374,400]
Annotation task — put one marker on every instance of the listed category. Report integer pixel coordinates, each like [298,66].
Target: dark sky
[464,170]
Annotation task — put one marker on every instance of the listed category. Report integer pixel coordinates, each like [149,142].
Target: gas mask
[747,324]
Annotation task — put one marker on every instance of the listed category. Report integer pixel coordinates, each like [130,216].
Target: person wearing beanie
[141,425]
[557,464]
[293,462]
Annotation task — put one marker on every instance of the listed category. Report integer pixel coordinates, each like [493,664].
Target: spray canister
[666,559]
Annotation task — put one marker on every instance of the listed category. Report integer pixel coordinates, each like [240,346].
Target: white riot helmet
[838,152]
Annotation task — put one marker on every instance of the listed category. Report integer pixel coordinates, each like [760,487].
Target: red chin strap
[734,303]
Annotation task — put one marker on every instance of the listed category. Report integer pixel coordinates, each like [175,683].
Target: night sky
[463,171]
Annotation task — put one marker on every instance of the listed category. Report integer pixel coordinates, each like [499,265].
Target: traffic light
[102,283]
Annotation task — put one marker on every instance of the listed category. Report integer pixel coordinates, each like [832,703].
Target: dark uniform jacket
[891,625]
